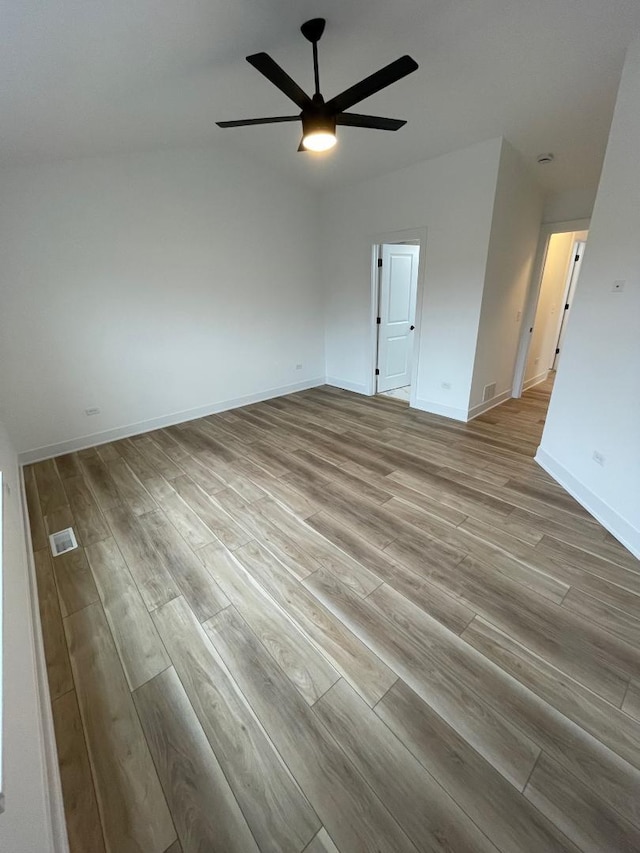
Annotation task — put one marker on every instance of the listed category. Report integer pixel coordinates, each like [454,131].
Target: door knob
[411,328]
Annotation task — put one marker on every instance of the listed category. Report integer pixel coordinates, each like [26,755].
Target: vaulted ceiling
[83,78]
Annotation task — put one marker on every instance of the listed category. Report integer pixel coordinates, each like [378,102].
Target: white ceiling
[82,77]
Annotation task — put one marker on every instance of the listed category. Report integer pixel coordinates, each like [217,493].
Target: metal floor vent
[63,541]
[489,392]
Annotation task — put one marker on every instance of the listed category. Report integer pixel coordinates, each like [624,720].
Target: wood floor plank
[179,513]
[36,523]
[50,491]
[100,482]
[78,794]
[107,452]
[156,458]
[575,557]
[459,542]
[584,818]
[350,811]
[130,487]
[202,593]
[217,521]
[290,553]
[149,571]
[141,652]
[68,466]
[136,461]
[280,818]
[89,521]
[201,474]
[601,662]
[277,489]
[350,572]
[205,810]
[616,780]
[429,816]
[617,622]
[604,721]
[631,704]
[360,666]
[321,843]
[496,807]
[76,587]
[310,671]
[403,644]
[55,647]
[134,813]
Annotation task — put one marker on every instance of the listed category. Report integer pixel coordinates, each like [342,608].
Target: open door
[568,299]
[396,314]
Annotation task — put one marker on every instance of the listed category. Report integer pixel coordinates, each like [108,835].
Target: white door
[396,312]
[568,299]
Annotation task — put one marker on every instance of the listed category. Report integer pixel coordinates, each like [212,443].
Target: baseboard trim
[474,411]
[624,532]
[53,788]
[346,385]
[39,453]
[536,380]
[439,409]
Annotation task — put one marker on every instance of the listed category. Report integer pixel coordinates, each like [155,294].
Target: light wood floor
[330,622]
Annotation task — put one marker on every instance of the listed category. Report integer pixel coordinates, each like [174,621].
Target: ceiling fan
[319,117]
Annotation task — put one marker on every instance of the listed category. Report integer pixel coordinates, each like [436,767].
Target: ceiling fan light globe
[319,140]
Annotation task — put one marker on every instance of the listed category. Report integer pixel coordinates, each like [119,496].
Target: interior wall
[550,308]
[152,286]
[514,236]
[25,823]
[596,401]
[452,197]
[568,205]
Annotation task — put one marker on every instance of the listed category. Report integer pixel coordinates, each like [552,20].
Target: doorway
[397,288]
[553,285]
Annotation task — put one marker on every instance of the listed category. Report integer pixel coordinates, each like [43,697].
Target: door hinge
[557,351]
[577,258]
[566,307]
[379,262]
[377,372]
[378,320]
[531,329]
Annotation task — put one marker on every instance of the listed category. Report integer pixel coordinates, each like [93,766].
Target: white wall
[549,309]
[24,825]
[452,197]
[512,247]
[150,285]
[568,205]
[596,401]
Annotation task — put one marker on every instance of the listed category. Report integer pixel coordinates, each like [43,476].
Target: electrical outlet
[446,386]
[298,367]
[598,457]
[536,361]
[618,286]
[518,316]
[94,411]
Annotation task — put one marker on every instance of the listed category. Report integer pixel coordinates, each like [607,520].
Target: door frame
[547,229]
[373,243]
[567,296]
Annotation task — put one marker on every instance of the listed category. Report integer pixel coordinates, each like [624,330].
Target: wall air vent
[489,392]
[63,541]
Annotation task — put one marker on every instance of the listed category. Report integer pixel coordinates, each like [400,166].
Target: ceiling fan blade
[263,63]
[243,122]
[370,85]
[376,122]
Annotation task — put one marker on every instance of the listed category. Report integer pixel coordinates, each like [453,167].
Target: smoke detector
[544,158]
